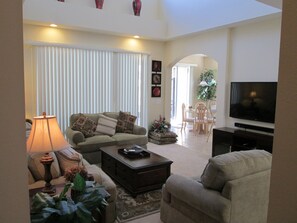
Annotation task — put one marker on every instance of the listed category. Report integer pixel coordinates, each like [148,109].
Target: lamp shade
[46,135]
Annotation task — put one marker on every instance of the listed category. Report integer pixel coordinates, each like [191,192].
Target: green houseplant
[207,86]
[80,208]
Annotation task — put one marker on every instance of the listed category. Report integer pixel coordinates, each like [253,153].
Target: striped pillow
[106,125]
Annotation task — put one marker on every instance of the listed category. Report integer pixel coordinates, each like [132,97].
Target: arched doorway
[185,79]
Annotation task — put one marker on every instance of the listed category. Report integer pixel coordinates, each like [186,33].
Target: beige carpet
[187,162]
[189,155]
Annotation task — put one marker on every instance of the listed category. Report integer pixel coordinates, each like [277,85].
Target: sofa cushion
[234,165]
[106,125]
[130,139]
[94,143]
[37,168]
[85,125]
[68,158]
[125,122]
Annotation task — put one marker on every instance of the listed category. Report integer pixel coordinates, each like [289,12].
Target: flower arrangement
[72,171]
[160,125]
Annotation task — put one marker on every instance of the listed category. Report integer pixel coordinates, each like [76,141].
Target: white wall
[42,34]
[254,56]
[245,53]
[214,44]
[150,8]
[116,17]
[200,63]
[13,163]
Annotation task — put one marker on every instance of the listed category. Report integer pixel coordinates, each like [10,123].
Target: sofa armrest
[195,195]
[74,137]
[139,130]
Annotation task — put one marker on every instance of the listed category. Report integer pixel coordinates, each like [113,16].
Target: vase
[136,7]
[99,4]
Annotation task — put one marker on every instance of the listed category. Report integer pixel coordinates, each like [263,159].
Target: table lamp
[46,137]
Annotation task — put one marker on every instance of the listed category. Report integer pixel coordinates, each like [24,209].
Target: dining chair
[198,103]
[201,118]
[186,118]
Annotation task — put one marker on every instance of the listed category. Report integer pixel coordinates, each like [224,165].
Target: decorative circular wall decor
[156,91]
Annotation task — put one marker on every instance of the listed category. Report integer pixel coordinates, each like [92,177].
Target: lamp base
[47,160]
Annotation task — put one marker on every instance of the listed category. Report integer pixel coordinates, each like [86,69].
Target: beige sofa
[63,160]
[89,147]
[234,188]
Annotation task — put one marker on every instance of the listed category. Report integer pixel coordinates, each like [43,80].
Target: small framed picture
[156,78]
[156,91]
[156,66]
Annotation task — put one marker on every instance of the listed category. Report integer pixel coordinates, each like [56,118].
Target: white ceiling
[200,15]
[159,20]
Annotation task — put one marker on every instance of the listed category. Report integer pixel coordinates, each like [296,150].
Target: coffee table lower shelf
[135,175]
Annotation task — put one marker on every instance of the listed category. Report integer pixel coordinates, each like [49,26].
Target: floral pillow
[85,125]
[125,122]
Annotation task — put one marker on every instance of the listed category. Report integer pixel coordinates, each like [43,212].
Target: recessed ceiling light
[53,25]
[136,37]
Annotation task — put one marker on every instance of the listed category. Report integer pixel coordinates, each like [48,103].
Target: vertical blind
[72,80]
[131,84]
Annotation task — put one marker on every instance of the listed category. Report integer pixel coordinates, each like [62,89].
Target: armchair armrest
[139,130]
[74,137]
[195,195]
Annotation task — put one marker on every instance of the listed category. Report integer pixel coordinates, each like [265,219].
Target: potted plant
[207,86]
[62,208]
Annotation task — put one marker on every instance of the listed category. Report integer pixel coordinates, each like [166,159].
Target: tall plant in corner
[207,86]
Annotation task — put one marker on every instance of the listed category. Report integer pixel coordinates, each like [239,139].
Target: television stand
[227,140]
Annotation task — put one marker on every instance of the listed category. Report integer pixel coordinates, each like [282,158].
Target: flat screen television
[253,101]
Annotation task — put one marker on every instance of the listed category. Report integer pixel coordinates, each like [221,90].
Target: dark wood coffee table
[135,175]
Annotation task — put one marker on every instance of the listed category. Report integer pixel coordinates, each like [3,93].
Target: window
[71,80]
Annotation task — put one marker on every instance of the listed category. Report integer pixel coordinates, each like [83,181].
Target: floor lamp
[46,137]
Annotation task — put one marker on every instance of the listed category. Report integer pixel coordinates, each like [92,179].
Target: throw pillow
[106,125]
[68,158]
[85,125]
[125,122]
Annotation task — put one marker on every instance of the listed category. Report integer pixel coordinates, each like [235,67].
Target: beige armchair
[233,188]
